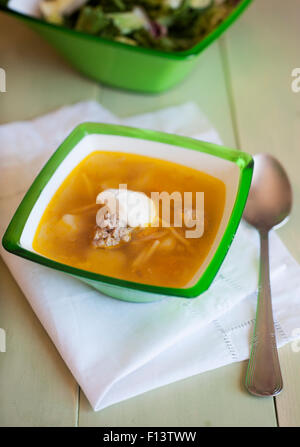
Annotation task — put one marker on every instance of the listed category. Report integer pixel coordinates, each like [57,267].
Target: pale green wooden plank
[215,398]
[205,86]
[288,402]
[262,50]
[36,387]
[38,79]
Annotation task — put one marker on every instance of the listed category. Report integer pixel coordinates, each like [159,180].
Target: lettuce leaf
[91,20]
[168,25]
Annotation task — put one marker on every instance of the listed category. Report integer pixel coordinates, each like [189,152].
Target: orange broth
[171,262]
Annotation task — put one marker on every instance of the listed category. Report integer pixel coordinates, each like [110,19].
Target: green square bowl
[234,168]
[119,64]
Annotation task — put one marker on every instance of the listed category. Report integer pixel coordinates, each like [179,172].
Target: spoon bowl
[270,199]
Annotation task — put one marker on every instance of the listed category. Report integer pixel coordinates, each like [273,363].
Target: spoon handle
[263,374]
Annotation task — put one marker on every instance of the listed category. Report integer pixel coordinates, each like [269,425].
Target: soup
[154,253]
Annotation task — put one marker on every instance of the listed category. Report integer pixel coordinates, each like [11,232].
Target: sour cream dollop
[132,208]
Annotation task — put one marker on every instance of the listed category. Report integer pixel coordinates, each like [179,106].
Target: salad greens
[168,25]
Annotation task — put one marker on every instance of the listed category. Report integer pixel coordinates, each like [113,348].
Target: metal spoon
[268,205]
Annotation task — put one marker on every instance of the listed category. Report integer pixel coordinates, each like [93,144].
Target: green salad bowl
[119,64]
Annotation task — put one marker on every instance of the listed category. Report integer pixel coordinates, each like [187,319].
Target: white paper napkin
[115,349]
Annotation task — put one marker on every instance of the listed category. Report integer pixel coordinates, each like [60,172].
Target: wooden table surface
[243,84]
